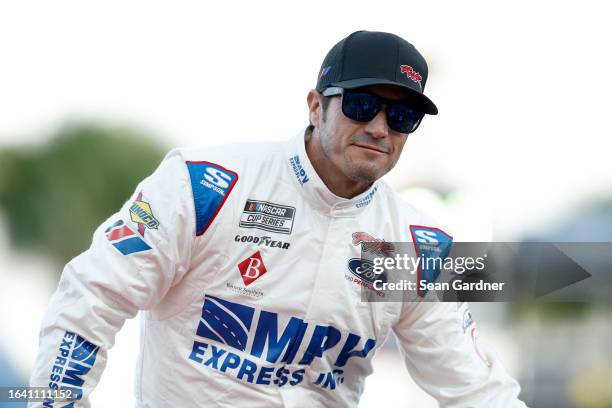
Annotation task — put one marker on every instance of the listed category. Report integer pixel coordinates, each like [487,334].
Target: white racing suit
[244,264]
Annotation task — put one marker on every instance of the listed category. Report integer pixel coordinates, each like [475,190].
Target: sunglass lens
[402,118]
[362,107]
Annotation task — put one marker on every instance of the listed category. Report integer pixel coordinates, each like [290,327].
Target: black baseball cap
[373,58]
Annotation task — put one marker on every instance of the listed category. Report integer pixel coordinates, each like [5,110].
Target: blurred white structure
[523,121]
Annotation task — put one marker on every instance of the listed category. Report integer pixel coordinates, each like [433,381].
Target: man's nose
[377,127]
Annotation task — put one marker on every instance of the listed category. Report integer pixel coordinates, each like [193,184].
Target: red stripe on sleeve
[119,233]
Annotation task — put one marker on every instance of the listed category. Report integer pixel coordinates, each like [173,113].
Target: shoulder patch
[125,239]
[211,185]
[429,243]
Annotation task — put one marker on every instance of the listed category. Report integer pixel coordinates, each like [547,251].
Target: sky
[522,87]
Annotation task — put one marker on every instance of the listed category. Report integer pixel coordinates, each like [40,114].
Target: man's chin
[366,172]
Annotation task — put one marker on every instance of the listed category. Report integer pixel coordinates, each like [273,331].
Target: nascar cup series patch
[211,185]
[267,216]
[429,243]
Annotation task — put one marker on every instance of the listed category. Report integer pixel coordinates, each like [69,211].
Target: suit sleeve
[439,340]
[440,346]
[135,257]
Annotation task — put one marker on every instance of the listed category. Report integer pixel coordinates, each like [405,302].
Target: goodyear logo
[141,213]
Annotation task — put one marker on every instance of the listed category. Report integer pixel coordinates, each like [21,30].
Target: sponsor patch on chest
[267,216]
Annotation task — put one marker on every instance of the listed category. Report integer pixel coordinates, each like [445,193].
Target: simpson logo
[262,241]
[239,342]
[141,214]
[431,239]
[211,185]
[411,73]
[298,169]
[124,239]
[216,180]
[374,245]
[267,216]
[252,268]
[76,356]
[429,243]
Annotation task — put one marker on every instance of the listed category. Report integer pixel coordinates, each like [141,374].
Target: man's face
[362,151]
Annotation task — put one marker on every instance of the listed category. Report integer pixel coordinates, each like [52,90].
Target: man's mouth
[378,149]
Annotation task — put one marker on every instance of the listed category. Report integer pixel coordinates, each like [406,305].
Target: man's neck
[335,180]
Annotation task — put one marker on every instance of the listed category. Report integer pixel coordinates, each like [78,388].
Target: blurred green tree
[56,195]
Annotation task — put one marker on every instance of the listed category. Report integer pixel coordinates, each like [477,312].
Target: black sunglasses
[364,106]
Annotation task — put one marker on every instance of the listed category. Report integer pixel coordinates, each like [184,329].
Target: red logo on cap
[252,268]
[411,73]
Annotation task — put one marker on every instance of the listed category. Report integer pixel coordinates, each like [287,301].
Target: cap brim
[423,101]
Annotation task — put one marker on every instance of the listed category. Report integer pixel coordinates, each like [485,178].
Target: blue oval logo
[364,269]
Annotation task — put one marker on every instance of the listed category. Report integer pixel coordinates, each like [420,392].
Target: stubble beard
[358,172]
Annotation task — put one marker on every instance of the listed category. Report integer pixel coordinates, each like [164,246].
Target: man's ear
[314,107]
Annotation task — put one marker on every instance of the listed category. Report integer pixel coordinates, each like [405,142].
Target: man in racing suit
[245,261]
